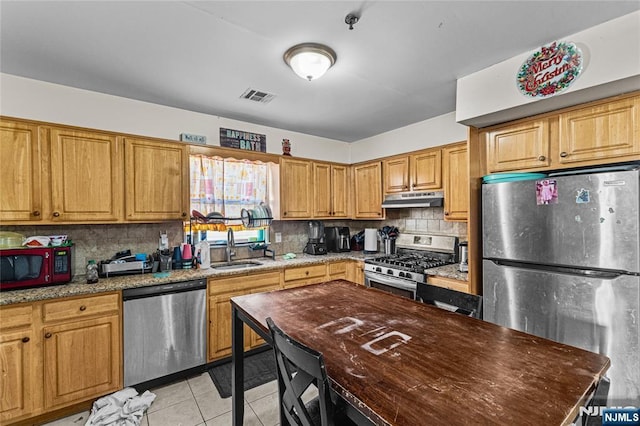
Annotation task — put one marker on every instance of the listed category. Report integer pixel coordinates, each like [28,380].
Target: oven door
[390,284]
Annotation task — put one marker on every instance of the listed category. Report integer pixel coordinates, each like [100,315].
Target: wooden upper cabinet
[21,172]
[367,194]
[604,130]
[330,190]
[396,175]
[426,170]
[416,172]
[519,147]
[456,182]
[86,176]
[340,191]
[295,188]
[157,180]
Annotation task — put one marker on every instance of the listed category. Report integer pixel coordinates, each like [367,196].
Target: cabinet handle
[83,308]
[25,339]
[36,213]
[306,272]
[413,185]
[184,214]
[542,158]
[284,214]
[446,213]
[56,214]
[563,154]
[379,214]
[47,335]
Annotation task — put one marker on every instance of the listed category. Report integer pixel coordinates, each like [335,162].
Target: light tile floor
[196,401]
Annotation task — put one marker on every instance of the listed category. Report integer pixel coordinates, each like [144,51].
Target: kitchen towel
[122,408]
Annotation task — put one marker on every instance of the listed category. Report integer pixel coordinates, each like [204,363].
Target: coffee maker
[316,243]
[337,238]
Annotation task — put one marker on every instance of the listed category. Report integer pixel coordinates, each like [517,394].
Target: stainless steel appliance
[337,238]
[413,199]
[416,253]
[164,330]
[464,256]
[316,243]
[564,263]
[35,267]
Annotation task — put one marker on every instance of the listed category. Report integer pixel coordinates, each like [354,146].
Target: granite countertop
[78,285]
[449,271]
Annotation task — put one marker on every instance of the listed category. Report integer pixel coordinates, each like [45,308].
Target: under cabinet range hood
[413,199]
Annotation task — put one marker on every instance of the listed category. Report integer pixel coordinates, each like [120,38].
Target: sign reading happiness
[243,140]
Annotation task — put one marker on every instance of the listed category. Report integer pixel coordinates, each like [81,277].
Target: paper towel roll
[371,239]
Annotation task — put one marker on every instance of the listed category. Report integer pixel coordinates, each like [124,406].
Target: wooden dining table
[395,361]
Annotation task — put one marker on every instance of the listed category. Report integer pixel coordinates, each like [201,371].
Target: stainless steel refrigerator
[561,260]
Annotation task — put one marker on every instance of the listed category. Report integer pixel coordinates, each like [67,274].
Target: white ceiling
[398,66]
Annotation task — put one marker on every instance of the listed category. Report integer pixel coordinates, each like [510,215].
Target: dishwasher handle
[158,290]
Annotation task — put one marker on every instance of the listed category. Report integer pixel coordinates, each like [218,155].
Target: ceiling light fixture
[310,60]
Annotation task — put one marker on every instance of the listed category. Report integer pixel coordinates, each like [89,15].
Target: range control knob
[378,269]
[401,274]
[390,271]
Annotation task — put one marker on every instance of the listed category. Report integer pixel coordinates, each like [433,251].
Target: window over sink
[226,186]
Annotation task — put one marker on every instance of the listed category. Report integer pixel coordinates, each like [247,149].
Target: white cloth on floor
[122,408]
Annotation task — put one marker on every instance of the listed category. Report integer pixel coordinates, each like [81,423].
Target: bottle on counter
[92,272]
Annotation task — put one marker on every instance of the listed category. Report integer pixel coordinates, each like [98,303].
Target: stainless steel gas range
[416,253]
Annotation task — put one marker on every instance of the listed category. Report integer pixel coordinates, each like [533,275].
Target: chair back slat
[299,367]
[465,303]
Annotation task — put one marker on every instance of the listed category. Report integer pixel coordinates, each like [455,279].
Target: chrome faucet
[231,243]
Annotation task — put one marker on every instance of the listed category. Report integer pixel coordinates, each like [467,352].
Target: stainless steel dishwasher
[164,330]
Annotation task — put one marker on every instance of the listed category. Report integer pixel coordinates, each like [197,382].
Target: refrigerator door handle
[591,273]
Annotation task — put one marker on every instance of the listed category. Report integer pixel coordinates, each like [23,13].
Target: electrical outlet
[278,237]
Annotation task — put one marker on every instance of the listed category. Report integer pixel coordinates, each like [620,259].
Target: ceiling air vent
[257,96]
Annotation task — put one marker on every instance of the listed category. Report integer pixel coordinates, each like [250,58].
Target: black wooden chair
[298,368]
[464,303]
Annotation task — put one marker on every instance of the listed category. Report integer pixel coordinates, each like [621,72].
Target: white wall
[436,131]
[611,66]
[39,100]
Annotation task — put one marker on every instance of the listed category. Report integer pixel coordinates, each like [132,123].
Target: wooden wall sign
[550,70]
[243,140]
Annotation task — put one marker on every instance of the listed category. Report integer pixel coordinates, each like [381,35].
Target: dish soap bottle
[92,272]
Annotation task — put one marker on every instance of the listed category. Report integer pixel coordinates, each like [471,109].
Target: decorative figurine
[286,147]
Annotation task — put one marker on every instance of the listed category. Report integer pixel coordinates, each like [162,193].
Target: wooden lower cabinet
[337,270]
[355,271]
[55,361]
[220,293]
[304,275]
[81,360]
[449,283]
[20,388]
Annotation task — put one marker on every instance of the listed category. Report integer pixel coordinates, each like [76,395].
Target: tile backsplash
[101,242]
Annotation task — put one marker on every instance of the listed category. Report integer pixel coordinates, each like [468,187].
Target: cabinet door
[601,131]
[322,190]
[18,366]
[20,174]
[339,191]
[86,176]
[426,170]
[396,175]
[82,360]
[337,270]
[295,188]
[367,196]
[450,283]
[519,147]
[355,271]
[157,186]
[220,325]
[456,182]
[254,339]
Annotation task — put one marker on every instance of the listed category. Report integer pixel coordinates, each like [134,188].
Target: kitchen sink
[235,265]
